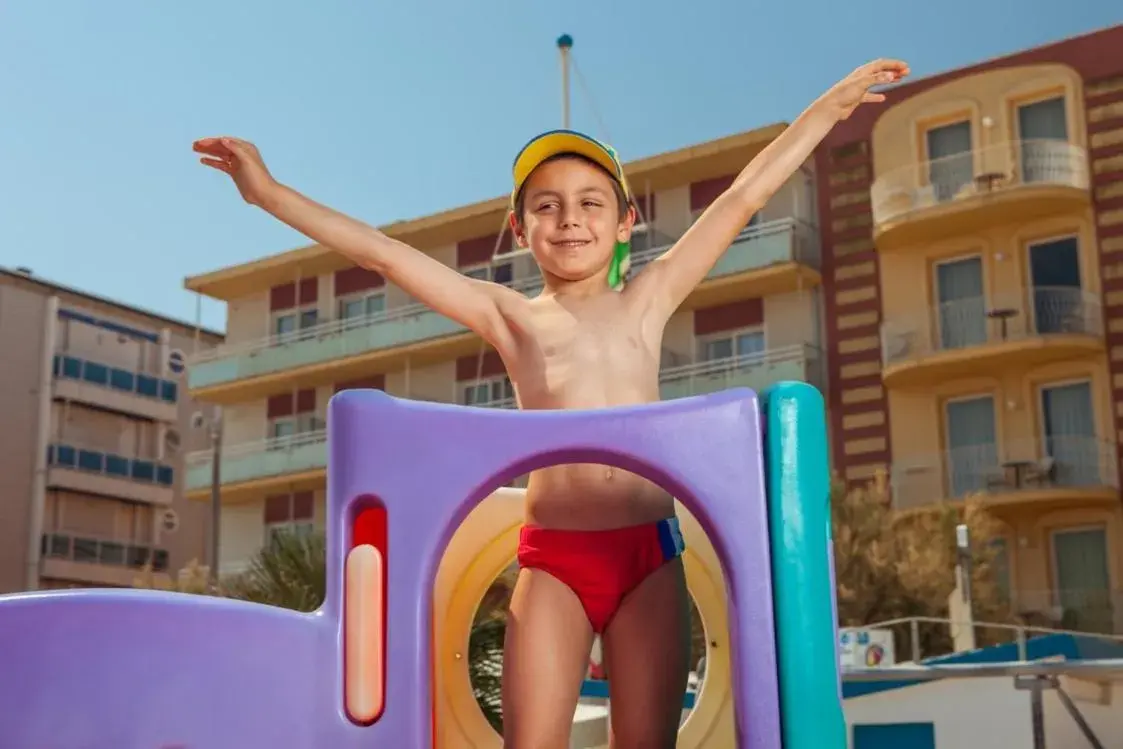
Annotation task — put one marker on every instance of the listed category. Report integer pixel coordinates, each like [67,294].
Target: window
[731,344]
[1043,130]
[962,311]
[1069,434]
[489,392]
[971,432]
[361,305]
[288,426]
[950,162]
[288,513]
[286,322]
[1058,300]
[502,273]
[1081,578]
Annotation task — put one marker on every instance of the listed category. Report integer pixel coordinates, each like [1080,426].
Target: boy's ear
[624,233]
[517,230]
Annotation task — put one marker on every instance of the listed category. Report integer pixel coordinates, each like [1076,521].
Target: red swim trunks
[601,567]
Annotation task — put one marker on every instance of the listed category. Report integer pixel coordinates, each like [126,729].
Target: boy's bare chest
[582,356]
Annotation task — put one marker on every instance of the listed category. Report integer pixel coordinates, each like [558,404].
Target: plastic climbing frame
[120,669]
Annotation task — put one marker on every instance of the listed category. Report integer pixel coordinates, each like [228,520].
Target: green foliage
[891,564]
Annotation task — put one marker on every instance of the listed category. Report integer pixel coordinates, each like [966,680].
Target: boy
[600,551]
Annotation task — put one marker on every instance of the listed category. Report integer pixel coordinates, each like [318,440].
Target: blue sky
[391,110]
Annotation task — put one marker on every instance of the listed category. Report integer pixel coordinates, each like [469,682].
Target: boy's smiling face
[571,214]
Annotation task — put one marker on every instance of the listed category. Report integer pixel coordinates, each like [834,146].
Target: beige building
[305,323]
[97,421]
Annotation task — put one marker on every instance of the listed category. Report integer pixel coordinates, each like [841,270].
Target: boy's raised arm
[666,282]
[471,302]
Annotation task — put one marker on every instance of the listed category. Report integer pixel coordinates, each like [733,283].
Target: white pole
[565,43]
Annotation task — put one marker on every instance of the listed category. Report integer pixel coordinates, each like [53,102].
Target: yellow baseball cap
[556,142]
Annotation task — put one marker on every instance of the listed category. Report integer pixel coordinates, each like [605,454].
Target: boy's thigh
[545,658]
[647,656]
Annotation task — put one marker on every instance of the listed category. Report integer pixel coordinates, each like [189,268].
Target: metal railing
[330,328]
[114,378]
[296,451]
[801,361]
[1020,465]
[92,550]
[803,248]
[994,168]
[1087,610]
[62,454]
[1036,311]
[908,631]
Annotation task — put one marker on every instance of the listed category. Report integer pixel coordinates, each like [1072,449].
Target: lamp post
[214,431]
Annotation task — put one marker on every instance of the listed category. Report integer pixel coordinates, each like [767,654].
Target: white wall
[987,713]
[242,531]
[247,319]
[790,319]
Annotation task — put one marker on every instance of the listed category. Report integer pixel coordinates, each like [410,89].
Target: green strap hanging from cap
[621,262]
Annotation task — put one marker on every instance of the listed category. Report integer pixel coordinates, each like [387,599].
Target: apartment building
[973,276]
[304,324]
[97,421]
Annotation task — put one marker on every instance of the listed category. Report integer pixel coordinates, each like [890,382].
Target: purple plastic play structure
[124,669]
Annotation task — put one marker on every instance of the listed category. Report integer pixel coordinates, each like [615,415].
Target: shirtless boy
[600,551]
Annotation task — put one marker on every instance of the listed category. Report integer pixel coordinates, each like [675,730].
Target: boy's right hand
[241,160]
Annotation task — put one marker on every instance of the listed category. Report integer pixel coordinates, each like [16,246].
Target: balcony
[1031,327]
[1061,470]
[114,389]
[297,462]
[756,371]
[97,561]
[767,258]
[958,194]
[95,472]
[292,461]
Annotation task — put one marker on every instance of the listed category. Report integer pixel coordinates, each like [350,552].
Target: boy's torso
[572,353]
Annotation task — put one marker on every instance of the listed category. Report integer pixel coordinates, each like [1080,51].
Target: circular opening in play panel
[590,724]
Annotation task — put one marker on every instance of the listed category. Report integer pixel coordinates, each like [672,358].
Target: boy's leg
[647,654]
[545,657]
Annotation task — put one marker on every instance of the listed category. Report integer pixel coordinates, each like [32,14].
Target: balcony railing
[61,455]
[279,456]
[757,247]
[1071,462]
[82,548]
[114,378]
[996,168]
[1093,609]
[1034,312]
[757,371]
[308,450]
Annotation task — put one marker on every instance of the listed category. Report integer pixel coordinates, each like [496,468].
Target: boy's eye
[589,203]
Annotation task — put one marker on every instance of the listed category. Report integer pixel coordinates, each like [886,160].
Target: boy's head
[571,207]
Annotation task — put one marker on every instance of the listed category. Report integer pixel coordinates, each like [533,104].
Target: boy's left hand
[845,96]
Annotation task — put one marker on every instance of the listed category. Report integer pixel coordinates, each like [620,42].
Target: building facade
[97,421]
[946,268]
[973,248]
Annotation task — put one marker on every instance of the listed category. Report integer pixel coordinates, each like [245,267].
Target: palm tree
[290,572]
